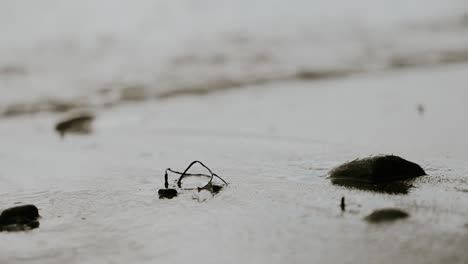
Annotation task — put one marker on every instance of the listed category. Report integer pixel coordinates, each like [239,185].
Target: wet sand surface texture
[98,198]
[94,108]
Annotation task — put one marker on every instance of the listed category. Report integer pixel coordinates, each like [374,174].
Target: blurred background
[60,55]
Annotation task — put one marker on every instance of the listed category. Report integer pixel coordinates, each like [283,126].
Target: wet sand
[274,144]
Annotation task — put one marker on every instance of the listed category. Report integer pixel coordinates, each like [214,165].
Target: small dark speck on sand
[386,215]
[342,204]
[421,109]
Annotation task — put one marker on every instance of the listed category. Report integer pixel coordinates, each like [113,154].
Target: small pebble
[167,193]
[376,170]
[77,124]
[19,218]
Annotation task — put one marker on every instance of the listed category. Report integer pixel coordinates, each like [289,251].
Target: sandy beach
[97,193]
[271,99]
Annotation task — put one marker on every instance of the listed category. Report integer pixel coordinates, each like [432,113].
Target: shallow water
[57,56]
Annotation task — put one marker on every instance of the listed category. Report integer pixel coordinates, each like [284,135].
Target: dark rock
[386,215]
[78,124]
[19,218]
[389,174]
[378,169]
[167,193]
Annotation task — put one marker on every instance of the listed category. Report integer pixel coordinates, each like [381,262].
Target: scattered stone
[19,218]
[78,124]
[167,193]
[378,169]
[387,173]
[386,215]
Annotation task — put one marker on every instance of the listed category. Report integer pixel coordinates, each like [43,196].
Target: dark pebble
[386,215]
[78,124]
[19,218]
[167,193]
[388,172]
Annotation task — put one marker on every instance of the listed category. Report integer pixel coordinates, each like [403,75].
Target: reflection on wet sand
[386,215]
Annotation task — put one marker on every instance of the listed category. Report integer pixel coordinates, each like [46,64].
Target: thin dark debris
[342,204]
[211,187]
[386,215]
[19,218]
[77,124]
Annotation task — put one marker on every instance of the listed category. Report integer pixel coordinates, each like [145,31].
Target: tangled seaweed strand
[170,193]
